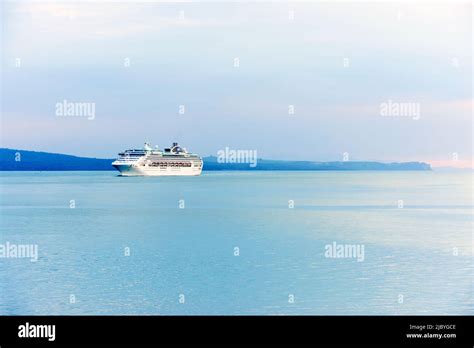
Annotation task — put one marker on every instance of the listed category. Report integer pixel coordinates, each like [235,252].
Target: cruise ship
[154,162]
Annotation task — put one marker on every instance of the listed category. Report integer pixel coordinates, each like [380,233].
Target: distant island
[23,160]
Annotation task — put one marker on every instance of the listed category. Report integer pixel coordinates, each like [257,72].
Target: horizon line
[439,165]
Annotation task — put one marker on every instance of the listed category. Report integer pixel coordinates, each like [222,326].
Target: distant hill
[22,160]
[210,163]
[31,160]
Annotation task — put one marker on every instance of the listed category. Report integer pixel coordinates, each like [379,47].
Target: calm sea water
[417,259]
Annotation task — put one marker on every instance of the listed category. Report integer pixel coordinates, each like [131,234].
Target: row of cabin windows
[170,164]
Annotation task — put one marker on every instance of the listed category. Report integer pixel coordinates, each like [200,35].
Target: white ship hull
[137,170]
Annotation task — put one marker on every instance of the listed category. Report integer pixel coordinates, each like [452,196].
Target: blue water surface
[230,243]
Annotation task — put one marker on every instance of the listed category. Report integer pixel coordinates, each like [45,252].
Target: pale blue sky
[407,53]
